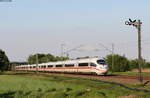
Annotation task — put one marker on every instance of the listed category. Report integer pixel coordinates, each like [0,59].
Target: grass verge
[129,73]
[29,85]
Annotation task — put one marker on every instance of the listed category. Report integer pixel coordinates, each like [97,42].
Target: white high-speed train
[84,65]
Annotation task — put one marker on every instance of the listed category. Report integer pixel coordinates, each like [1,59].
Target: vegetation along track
[94,78]
[104,76]
[108,79]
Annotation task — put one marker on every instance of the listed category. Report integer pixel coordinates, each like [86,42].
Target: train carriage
[85,65]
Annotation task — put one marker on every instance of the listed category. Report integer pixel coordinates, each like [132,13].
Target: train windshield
[101,62]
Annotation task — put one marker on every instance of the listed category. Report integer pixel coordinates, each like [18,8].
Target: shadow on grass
[109,75]
[9,94]
[80,93]
[68,89]
[103,94]
[23,73]
[14,73]
[51,90]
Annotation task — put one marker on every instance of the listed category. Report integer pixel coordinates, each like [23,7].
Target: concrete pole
[112,57]
[37,61]
[62,50]
[139,50]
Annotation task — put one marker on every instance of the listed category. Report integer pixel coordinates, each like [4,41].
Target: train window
[42,66]
[34,66]
[83,64]
[69,65]
[92,65]
[49,66]
[101,62]
[58,65]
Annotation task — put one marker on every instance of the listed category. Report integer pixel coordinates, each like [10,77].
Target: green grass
[128,73]
[29,85]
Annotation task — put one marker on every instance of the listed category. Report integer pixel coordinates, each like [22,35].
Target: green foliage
[147,65]
[134,64]
[57,58]
[121,63]
[4,62]
[43,58]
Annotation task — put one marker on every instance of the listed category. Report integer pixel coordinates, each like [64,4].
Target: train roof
[71,61]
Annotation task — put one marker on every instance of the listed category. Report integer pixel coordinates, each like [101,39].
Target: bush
[135,64]
[147,65]
[121,63]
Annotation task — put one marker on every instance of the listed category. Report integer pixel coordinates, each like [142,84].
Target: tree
[4,62]
[134,64]
[121,63]
[57,58]
[43,58]
[50,57]
[147,64]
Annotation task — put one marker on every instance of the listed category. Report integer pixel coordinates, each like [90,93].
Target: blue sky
[31,26]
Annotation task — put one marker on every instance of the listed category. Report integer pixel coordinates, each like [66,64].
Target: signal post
[137,24]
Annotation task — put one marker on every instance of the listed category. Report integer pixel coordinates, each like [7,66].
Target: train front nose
[106,67]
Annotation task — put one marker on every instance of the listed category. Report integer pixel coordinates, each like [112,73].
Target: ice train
[92,65]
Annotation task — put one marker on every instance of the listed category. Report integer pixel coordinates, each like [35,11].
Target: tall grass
[44,86]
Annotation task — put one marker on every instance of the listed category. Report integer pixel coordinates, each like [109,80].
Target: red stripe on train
[75,68]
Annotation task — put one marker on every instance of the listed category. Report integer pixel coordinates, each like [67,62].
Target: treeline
[43,58]
[4,61]
[118,63]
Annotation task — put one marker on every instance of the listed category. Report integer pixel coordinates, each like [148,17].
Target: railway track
[130,77]
[111,78]
[104,76]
